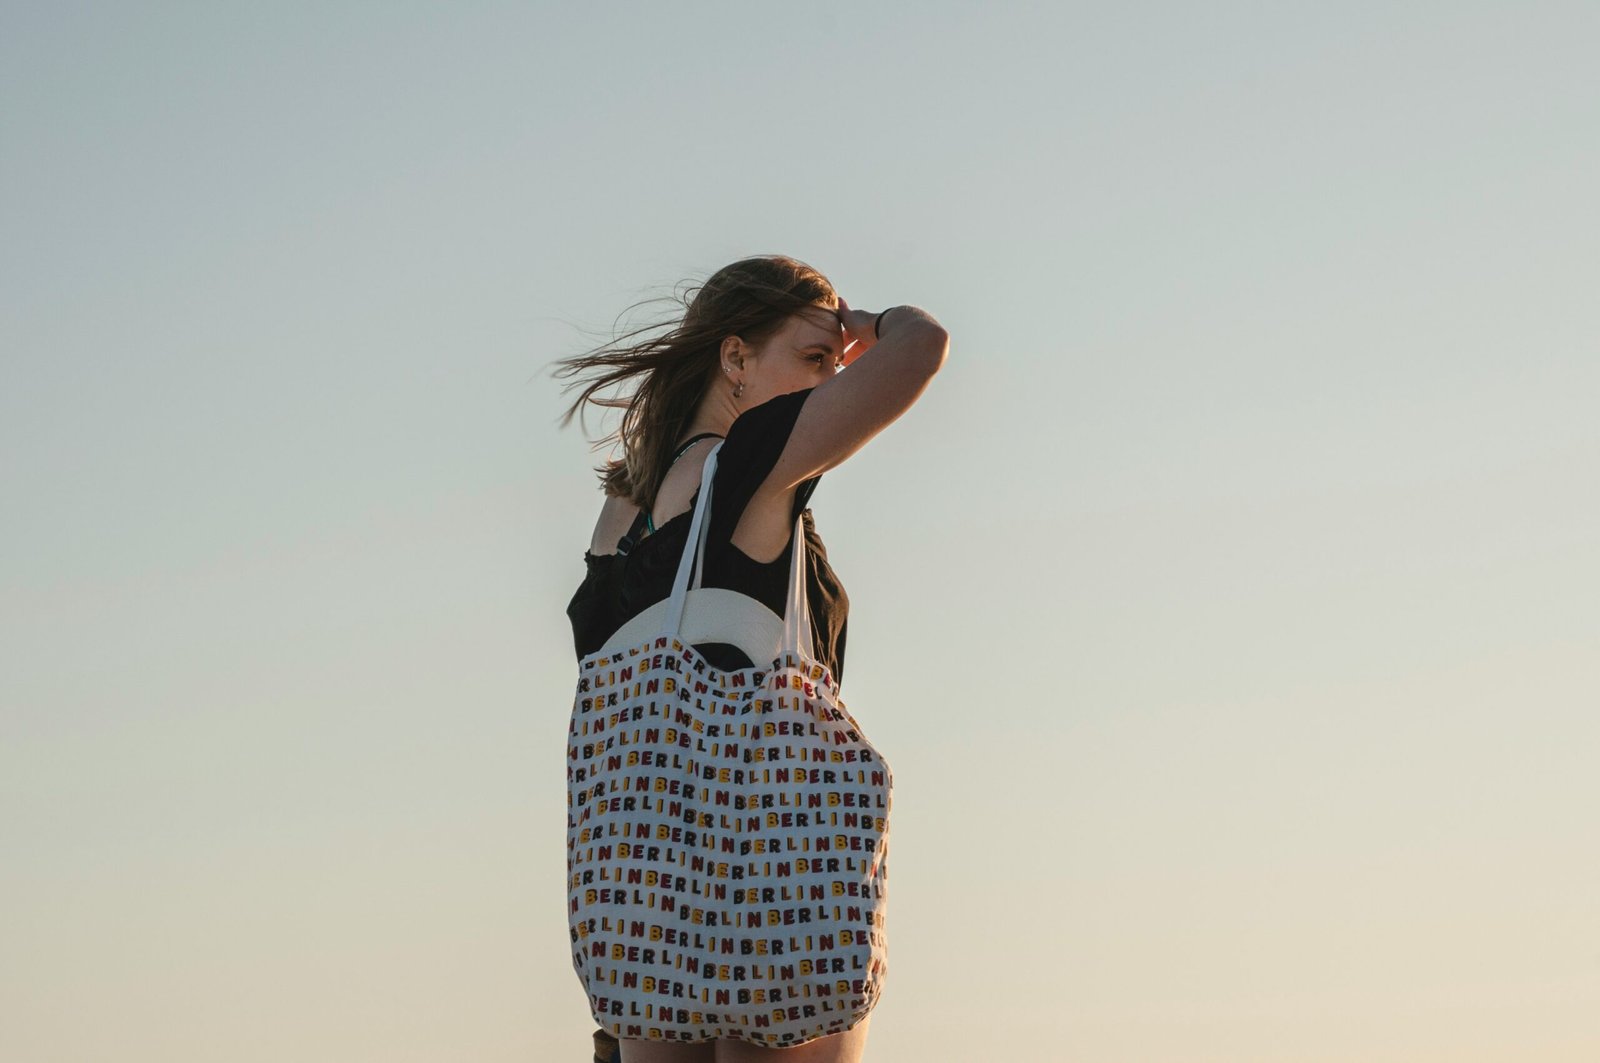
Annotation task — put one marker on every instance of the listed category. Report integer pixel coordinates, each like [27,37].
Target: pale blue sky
[1227,606]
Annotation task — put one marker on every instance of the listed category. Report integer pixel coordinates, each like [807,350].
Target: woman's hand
[857,329]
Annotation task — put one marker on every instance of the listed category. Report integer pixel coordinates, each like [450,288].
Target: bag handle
[796,614]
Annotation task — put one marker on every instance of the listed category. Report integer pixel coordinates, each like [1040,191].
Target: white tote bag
[727,830]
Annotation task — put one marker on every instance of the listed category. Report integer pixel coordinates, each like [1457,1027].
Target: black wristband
[876,322]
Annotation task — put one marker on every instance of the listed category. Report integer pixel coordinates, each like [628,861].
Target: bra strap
[691,441]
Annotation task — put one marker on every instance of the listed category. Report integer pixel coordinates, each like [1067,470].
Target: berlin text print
[727,849]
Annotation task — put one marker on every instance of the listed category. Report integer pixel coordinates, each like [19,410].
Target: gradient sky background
[1227,607]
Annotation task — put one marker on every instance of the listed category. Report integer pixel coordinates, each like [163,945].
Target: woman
[755,363]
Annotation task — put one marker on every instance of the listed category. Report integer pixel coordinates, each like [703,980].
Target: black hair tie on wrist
[878,320]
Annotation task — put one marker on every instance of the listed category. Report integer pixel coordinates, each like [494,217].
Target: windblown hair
[751,299]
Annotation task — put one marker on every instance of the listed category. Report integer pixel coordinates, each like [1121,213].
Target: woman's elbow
[937,349]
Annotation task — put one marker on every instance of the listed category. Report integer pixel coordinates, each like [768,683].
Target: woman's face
[806,351]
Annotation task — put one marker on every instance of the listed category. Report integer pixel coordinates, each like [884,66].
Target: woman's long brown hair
[751,299]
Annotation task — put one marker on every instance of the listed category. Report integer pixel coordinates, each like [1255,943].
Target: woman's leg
[846,1047]
[667,1052]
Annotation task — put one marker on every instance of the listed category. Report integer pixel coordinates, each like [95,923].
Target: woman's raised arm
[865,397]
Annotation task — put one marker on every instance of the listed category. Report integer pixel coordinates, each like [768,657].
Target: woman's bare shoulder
[616,517]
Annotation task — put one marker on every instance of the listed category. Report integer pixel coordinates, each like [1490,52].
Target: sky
[1227,606]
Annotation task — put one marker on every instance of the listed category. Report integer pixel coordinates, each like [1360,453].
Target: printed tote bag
[727,835]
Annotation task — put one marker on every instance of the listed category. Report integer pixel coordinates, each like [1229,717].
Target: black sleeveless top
[617,587]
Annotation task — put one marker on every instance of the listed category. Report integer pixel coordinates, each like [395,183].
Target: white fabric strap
[694,549]
[796,613]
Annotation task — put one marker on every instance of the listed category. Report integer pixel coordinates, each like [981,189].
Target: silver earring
[738,389]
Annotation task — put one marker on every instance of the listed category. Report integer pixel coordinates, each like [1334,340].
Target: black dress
[619,586]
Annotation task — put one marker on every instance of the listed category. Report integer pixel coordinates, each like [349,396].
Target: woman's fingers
[858,331]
